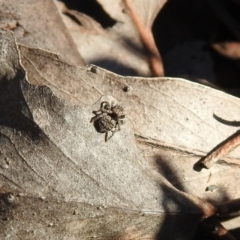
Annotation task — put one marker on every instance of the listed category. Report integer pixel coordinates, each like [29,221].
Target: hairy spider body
[108,118]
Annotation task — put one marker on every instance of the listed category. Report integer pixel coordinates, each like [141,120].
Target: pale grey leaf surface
[58,178]
[167,113]
[171,110]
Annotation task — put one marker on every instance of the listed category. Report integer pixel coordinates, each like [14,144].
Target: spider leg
[114,131]
[118,127]
[120,122]
[102,108]
[105,107]
[95,118]
[97,112]
[107,104]
[106,136]
[106,139]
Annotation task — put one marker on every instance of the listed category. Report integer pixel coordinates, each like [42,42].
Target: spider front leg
[95,118]
[105,107]
[102,108]
[97,112]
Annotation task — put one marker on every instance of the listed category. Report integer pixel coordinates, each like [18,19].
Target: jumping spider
[108,118]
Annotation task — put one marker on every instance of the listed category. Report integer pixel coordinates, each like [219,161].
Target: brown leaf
[38,24]
[123,47]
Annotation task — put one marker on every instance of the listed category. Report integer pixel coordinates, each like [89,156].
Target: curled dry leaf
[125,46]
[63,179]
[228,49]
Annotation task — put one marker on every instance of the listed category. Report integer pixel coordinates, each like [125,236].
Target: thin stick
[216,229]
[155,59]
[228,207]
[222,150]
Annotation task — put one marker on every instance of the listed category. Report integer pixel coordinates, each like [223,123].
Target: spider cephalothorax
[108,118]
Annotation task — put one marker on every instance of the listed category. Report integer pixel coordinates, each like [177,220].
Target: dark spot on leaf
[126,89]
[94,69]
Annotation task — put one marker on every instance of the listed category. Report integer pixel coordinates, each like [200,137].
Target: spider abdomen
[106,123]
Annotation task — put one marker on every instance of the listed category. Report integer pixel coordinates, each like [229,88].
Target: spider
[108,118]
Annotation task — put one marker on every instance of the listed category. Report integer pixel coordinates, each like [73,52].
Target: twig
[226,122]
[228,207]
[223,149]
[216,229]
[213,227]
[148,41]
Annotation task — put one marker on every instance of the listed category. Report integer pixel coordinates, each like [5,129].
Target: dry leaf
[228,49]
[127,48]
[38,24]
[58,176]
[172,110]
[178,117]
[176,122]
